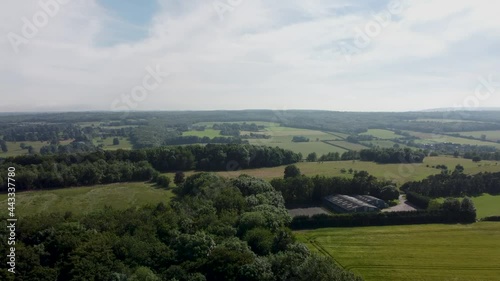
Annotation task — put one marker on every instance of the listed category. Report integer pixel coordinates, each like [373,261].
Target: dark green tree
[291,171]
[179,178]
[312,157]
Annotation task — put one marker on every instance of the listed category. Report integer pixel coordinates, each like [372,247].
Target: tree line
[62,170]
[455,184]
[378,155]
[215,229]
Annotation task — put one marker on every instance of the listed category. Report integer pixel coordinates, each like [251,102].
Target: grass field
[282,137]
[211,133]
[429,138]
[87,199]
[382,143]
[347,145]
[399,173]
[108,143]
[303,147]
[382,134]
[444,120]
[486,205]
[415,252]
[490,135]
[14,149]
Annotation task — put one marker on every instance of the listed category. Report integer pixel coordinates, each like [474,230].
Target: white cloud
[263,54]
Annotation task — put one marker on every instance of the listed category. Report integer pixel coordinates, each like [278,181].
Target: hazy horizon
[166,55]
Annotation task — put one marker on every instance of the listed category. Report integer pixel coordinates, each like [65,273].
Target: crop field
[490,135]
[431,252]
[399,173]
[80,200]
[382,134]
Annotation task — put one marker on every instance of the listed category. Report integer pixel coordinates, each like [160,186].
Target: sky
[340,55]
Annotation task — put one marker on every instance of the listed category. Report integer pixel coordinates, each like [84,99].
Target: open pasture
[80,200]
[429,138]
[301,147]
[490,135]
[14,148]
[382,143]
[208,132]
[282,137]
[347,145]
[486,205]
[398,173]
[108,143]
[432,252]
[382,134]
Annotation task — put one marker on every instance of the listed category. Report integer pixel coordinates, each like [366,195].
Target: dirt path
[403,206]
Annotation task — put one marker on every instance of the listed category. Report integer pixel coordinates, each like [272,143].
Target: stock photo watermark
[373,28]
[40,19]
[11,220]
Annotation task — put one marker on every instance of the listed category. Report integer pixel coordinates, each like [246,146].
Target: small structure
[347,204]
[379,203]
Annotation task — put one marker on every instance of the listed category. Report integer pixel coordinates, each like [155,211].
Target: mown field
[399,173]
[80,200]
[432,252]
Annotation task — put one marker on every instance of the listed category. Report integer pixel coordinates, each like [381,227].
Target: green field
[490,135]
[443,120]
[108,143]
[87,199]
[15,150]
[347,145]
[383,143]
[382,134]
[415,252]
[304,147]
[282,137]
[429,138]
[486,205]
[399,173]
[211,133]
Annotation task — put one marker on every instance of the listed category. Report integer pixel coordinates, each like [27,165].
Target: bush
[163,181]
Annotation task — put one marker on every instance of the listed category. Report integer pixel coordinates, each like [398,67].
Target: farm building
[379,203]
[347,204]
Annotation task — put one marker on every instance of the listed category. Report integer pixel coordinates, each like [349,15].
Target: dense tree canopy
[215,229]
